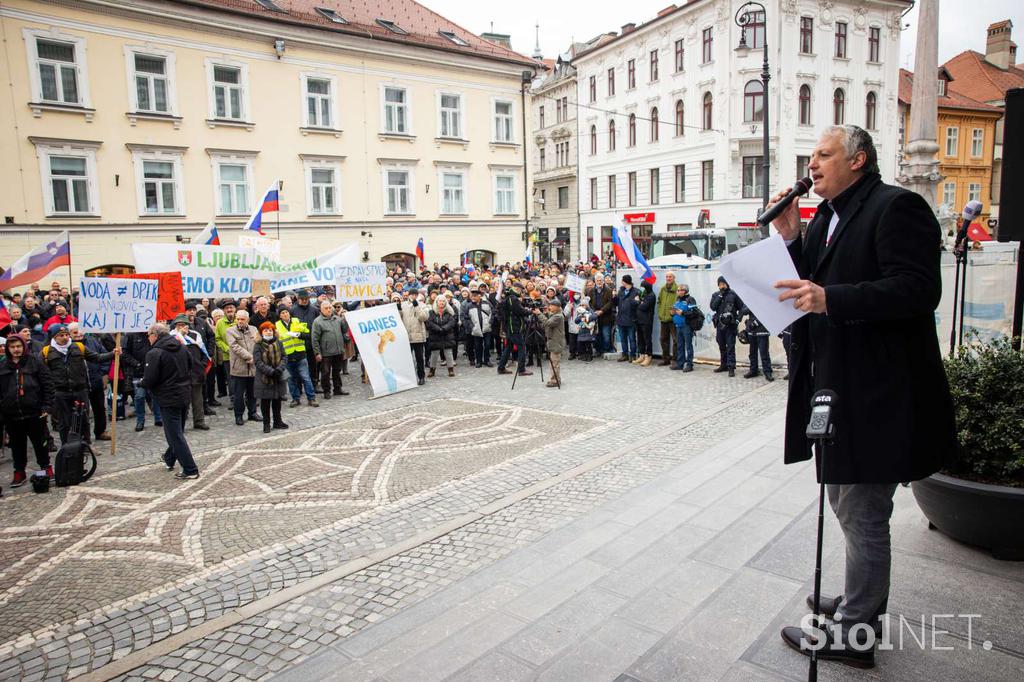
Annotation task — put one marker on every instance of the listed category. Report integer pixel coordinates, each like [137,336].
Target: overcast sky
[962,23]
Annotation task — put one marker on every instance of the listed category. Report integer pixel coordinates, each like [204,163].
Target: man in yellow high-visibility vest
[294,334]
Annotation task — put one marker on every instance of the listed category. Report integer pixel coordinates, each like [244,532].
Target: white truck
[708,243]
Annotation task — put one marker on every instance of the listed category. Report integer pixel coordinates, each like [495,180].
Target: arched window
[839,106]
[870,108]
[593,140]
[753,102]
[706,124]
[680,127]
[654,124]
[805,105]
[632,130]
[611,135]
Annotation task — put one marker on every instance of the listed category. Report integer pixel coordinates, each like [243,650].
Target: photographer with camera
[553,323]
[513,319]
[726,305]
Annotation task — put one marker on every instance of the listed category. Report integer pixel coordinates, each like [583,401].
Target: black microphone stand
[819,444]
[960,249]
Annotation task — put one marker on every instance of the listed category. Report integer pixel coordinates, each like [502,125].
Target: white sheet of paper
[753,271]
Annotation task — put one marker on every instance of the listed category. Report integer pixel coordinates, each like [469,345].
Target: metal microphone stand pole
[957,247]
[812,669]
[963,289]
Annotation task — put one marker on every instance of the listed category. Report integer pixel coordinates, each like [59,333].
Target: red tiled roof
[980,80]
[951,100]
[421,23]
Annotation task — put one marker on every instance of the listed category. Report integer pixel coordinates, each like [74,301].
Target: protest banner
[574,283]
[384,348]
[265,245]
[171,300]
[210,270]
[110,305]
[361,281]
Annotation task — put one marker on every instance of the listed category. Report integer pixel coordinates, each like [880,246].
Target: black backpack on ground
[72,464]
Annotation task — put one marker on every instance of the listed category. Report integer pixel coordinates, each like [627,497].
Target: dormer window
[454,38]
[271,5]
[331,15]
[393,27]
[942,87]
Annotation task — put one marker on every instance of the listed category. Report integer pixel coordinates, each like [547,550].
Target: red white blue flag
[38,262]
[268,205]
[420,253]
[628,253]
[209,236]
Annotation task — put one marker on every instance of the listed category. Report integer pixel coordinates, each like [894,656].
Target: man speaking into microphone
[869,268]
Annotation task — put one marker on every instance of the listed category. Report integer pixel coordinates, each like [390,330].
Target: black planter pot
[987,516]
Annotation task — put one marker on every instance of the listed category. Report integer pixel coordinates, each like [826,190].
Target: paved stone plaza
[635,525]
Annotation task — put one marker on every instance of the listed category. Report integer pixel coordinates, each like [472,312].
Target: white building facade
[671,112]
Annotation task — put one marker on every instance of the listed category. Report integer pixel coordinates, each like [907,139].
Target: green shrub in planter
[987,384]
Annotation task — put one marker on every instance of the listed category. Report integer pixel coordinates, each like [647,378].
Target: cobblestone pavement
[92,574]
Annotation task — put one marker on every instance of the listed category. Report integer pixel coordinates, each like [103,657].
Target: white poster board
[574,283]
[361,281]
[383,348]
[109,305]
[265,245]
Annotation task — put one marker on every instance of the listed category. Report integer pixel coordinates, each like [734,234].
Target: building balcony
[559,173]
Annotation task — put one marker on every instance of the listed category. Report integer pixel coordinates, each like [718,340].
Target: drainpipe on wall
[527,79]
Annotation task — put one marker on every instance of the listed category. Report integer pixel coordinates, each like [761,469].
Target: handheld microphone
[972,210]
[821,425]
[802,186]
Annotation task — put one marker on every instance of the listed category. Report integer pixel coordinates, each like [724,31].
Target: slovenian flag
[627,252]
[268,205]
[5,317]
[470,268]
[420,253]
[209,236]
[38,262]
[528,258]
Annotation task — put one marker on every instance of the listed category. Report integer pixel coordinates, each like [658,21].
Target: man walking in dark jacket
[626,303]
[168,376]
[26,398]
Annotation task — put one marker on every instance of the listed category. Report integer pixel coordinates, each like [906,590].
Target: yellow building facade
[141,121]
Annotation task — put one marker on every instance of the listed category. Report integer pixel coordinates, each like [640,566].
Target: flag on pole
[420,253]
[268,205]
[209,236]
[528,258]
[5,317]
[627,252]
[35,264]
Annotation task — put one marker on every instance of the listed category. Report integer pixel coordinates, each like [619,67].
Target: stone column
[919,170]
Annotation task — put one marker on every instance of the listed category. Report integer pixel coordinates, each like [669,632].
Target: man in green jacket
[223,354]
[667,299]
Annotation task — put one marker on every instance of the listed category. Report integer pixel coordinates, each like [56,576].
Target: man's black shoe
[478,365]
[255,418]
[239,421]
[266,428]
[526,373]
[208,412]
[751,374]
[182,476]
[732,372]
[420,381]
[342,393]
[201,427]
[139,427]
[794,638]
[721,368]
[768,377]
[502,370]
[829,605]
[688,368]
[327,396]
[213,403]
[675,367]
[158,423]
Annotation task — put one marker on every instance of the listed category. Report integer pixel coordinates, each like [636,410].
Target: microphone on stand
[801,187]
[971,211]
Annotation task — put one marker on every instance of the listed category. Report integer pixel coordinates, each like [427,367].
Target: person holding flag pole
[420,253]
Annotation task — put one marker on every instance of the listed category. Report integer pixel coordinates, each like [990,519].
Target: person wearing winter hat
[646,304]
[196,349]
[727,306]
[626,304]
[271,370]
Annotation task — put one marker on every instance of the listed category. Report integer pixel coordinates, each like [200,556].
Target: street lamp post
[744,16]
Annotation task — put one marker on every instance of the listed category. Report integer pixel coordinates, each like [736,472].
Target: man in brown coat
[554,331]
[241,338]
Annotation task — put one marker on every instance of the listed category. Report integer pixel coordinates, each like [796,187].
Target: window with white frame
[503,121]
[952,140]
[396,111]
[977,142]
[158,182]
[949,193]
[151,79]
[58,68]
[233,192]
[974,191]
[319,107]
[228,92]
[451,115]
[504,194]
[593,193]
[323,193]
[453,192]
[397,191]
[69,184]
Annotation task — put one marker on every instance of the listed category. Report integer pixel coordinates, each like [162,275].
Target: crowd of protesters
[252,355]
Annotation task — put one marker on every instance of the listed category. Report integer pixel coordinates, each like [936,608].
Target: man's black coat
[877,346]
